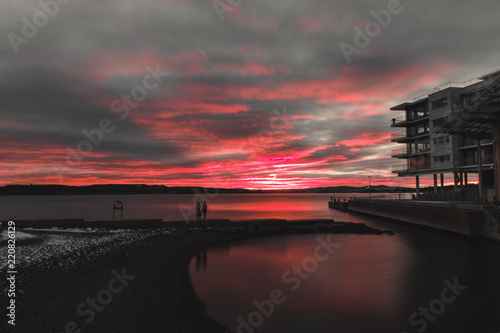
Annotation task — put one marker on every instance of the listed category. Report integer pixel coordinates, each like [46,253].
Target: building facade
[428,148]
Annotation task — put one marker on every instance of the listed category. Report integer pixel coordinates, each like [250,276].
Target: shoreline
[160,297]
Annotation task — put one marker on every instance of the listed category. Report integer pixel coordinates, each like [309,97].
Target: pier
[463,218]
[340,205]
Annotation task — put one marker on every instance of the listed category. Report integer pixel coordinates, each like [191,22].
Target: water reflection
[201,260]
[355,279]
[368,284]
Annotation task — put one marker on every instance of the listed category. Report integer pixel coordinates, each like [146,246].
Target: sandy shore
[131,281]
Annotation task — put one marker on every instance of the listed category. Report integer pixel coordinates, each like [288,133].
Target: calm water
[368,284]
[167,206]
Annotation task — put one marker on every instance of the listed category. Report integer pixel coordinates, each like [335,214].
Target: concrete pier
[340,205]
[465,219]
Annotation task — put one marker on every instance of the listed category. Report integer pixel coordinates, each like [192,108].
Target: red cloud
[251,68]
[366,139]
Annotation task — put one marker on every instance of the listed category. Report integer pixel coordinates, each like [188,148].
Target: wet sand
[137,281]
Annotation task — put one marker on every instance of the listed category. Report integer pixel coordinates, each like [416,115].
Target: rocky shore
[124,280]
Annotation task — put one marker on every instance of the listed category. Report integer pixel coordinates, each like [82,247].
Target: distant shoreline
[117,189]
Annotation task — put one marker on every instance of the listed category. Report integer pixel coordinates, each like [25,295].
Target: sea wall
[462,221]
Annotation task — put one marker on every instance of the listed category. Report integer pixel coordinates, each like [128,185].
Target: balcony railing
[398,135]
[399,167]
[469,193]
[422,150]
[406,151]
[471,142]
[407,168]
[401,119]
[472,161]
[403,135]
[396,152]
[398,120]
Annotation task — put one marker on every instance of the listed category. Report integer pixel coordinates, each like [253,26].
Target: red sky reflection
[354,280]
[207,104]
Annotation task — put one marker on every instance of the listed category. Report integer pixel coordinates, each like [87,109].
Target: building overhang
[404,106]
[477,119]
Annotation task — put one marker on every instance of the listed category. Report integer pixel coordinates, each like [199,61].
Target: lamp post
[369,187]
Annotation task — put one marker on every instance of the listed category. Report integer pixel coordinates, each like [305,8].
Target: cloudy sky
[231,93]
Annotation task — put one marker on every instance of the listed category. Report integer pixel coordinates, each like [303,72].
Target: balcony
[414,165]
[471,161]
[398,152]
[398,136]
[404,121]
[470,143]
[407,137]
[399,167]
[405,152]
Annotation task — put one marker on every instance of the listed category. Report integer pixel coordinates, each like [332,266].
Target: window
[471,98]
[441,140]
[442,158]
[423,128]
[440,103]
[421,112]
[438,122]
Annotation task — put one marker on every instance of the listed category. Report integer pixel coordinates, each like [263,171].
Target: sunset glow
[184,99]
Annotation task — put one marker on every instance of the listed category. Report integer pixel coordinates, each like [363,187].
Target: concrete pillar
[496,152]
[461,179]
[417,180]
[435,183]
[466,180]
[479,168]
[442,180]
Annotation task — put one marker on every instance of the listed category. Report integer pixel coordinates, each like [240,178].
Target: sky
[256,94]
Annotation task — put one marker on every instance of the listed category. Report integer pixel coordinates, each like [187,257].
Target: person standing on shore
[198,211]
[204,209]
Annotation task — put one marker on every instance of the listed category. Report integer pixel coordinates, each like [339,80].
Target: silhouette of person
[198,211]
[204,210]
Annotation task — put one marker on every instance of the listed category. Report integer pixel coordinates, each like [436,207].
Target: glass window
[440,103]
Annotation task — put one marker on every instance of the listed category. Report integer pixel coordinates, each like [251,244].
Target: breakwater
[154,223]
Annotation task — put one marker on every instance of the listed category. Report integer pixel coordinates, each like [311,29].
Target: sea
[417,280]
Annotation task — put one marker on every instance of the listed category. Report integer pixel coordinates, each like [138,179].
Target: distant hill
[362,189]
[160,189]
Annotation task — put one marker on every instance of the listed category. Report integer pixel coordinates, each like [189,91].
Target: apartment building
[449,131]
